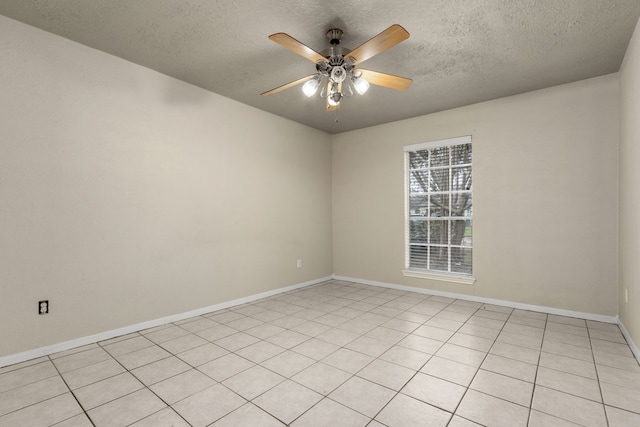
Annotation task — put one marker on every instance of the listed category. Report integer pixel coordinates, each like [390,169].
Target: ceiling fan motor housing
[338,74]
[335,68]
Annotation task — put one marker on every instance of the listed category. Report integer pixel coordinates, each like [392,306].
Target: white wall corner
[632,344]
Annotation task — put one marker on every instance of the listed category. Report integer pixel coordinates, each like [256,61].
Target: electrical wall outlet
[43,306]
[299,263]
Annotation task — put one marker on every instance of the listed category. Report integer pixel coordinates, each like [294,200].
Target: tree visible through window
[439,197]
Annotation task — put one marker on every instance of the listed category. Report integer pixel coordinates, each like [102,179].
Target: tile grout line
[134,376]
[483,359]
[86,414]
[604,407]
[146,386]
[371,419]
[535,377]
[352,375]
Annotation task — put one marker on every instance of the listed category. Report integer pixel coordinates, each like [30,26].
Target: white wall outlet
[299,263]
[626,295]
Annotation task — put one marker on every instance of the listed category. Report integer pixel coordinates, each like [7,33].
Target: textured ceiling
[460,51]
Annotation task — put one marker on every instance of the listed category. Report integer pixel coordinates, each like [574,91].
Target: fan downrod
[334,35]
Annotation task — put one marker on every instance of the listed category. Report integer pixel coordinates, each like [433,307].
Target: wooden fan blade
[288,85]
[329,106]
[385,80]
[383,41]
[294,45]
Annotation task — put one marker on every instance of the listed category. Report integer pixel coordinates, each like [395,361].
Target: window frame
[423,273]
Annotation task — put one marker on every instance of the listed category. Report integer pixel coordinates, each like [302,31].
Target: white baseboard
[530,307]
[511,304]
[632,345]
[91,339]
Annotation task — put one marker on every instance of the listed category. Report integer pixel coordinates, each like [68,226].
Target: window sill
[444,277]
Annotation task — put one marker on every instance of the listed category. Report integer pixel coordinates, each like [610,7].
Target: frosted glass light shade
[311,87]
[361,85]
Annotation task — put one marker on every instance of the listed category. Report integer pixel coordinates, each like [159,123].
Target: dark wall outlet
[43,306]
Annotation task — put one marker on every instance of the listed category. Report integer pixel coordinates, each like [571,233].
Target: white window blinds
[439,217]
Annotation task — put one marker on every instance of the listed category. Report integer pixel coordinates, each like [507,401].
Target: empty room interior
[186,239]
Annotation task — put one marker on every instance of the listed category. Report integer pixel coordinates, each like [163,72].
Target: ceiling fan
[336,73]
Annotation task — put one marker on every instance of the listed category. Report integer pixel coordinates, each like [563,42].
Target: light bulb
[361,85]
[311,87]
[334,99]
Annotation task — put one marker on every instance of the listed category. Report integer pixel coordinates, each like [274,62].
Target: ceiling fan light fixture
[334,99]
[336,74]
[311,87]
[361,85]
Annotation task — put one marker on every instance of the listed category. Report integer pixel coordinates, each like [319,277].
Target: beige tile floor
[338,354]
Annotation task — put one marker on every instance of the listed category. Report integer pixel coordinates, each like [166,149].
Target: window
[439,210]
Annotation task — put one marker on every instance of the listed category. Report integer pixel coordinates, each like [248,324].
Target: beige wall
[630,187]
[545,193]
[126,195]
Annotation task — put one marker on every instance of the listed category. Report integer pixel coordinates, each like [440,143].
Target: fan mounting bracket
[334,35]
